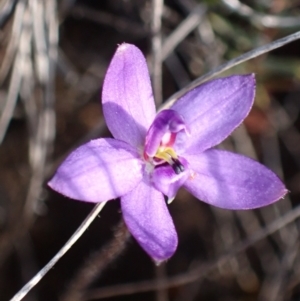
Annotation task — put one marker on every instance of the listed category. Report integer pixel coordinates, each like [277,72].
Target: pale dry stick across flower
[238,60]
[201,270]
[27,261]
[77,234]
[242,58]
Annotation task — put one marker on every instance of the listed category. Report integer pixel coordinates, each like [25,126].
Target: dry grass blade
[77,234]
[241,59]
[19,69]
[13,44]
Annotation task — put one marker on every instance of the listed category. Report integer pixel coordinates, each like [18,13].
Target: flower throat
[160,139]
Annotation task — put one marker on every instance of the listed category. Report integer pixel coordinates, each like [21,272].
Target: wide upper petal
[98,171]
[148,219]
[128,104]
[232,181]
[213,110]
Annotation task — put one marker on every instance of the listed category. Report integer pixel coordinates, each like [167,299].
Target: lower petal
[98,171]
[148,219]
[232,181]
[167,181]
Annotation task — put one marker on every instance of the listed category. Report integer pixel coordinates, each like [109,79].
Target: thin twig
[240,59]
[77,234]
[28,262]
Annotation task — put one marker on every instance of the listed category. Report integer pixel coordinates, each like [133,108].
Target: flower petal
[232,181]
[148,219]
[167,181]
[98,171]
[213,110]
[128,104]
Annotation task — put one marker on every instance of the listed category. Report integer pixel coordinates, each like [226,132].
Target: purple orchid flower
[154,155]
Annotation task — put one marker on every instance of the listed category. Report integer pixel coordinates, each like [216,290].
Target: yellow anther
[166,154]
[171,152]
